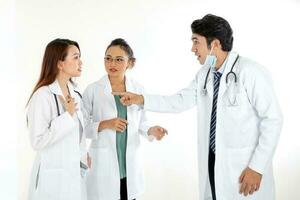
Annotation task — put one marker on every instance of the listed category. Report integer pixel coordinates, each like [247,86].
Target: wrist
[71,113]
[141,99]
[149,131]
[102,126]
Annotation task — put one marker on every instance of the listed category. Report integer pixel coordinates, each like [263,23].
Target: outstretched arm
[181,101]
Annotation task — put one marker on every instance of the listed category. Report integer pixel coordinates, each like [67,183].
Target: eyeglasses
[118,60]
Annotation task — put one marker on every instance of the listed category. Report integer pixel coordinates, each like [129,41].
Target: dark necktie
[212,135]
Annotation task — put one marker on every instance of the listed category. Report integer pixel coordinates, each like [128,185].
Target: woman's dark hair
[55,51]
[213,27]
[124,46]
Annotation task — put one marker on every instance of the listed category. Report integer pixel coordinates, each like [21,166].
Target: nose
[110,64]
[113,62]
[193,49]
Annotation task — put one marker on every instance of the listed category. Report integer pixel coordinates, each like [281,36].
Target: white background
[159,33]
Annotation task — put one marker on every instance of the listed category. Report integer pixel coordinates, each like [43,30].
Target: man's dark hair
[213,27]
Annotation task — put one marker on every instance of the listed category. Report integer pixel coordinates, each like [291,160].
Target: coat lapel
[55,88]
[210,85]
[231,58]
[77,100]
[107,90]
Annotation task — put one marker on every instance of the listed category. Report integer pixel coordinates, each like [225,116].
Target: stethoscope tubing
[231,72]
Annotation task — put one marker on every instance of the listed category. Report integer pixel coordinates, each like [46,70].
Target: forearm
[270,131]
[168,104]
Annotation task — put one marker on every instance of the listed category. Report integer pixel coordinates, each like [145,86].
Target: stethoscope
[228,75]
[82,165]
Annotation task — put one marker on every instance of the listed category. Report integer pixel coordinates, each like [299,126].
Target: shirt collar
[222,68]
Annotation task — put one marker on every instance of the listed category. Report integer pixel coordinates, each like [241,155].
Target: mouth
[113,70]
[80,70]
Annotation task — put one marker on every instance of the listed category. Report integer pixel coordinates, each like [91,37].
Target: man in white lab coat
[239,119]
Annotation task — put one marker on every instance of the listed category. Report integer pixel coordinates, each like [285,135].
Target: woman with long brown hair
[55,122]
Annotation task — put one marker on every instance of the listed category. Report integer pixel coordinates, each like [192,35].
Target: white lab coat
[56,170]
[246,133]
[103,180]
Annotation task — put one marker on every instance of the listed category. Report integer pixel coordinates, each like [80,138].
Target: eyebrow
[116,56]
[194,38]
[75,54]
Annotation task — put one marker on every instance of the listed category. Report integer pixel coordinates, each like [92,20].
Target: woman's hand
[158,132]
[117,124]
[69,104]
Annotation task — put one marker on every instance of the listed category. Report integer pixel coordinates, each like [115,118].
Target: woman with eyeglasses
[115,130]
[56,126]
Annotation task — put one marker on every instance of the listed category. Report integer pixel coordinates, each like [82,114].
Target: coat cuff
[144,131]
[258,164]
[92,130]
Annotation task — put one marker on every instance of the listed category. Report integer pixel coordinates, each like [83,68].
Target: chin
[77,75]
[114,74]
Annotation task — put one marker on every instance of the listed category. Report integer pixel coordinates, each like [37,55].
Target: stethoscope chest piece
[204,91]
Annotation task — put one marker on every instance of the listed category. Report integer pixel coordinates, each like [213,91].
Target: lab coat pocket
[238,160]
[231,99]
[100,162]
[103,139]
[83,169]
[233,95]
[51,184]
[37,177]
[52,156]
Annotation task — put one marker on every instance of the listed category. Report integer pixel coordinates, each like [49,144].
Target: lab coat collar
[105,82]
[228,64]
[55,88]
[225,68]
[231,58]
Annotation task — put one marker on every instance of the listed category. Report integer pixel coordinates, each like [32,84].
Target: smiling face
[200,47]
[71,65]
[116,61]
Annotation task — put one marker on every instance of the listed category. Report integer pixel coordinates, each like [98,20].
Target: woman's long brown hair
[55,51]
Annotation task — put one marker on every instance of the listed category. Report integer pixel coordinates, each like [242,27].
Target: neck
[117,80]
[62,81]
[221,58]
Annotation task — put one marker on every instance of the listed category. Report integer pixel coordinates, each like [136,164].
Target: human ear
[130,64]
[217,44]
[60,65]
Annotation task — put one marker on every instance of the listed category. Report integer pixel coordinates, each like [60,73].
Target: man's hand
[250,181]
[158,132]
[128,98]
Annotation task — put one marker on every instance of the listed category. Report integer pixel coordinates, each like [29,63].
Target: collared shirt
[121,138]
[222,68]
